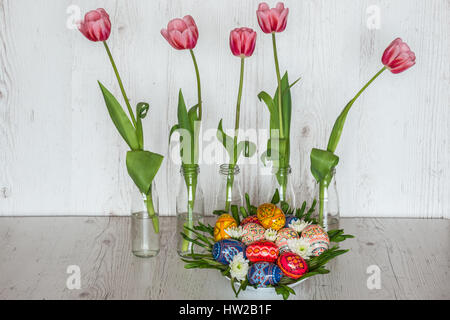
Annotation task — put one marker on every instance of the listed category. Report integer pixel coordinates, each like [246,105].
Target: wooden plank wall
[61,155]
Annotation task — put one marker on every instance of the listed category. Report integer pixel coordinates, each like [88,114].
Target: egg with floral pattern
[225,250]
[252,232]
[271,217]
[224,222]
[283,236]
[317,238]
[292,265]
[250,219]
[263,274]
[262,251]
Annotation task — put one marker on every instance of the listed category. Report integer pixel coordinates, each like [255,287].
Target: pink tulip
[96,25]
[181,33]
[272,20]
[242,42]
[398,57]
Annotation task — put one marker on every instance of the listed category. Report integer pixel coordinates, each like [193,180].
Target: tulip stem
[277,68]
[368,83]
[199,87]
[233,162]
[333,141]
[238,110]
[130,111]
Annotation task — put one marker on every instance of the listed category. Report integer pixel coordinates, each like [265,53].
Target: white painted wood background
[61,155]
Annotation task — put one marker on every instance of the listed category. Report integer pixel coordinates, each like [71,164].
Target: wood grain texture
[61,155]
[412,254]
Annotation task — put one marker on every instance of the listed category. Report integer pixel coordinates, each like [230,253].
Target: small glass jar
[330,201]
[282,180]
[145,231]
[190,208]
[229,191]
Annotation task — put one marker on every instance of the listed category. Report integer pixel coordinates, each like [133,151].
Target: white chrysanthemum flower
[239,267]
[235,232]
[271,235]
[299,225]
[301,247]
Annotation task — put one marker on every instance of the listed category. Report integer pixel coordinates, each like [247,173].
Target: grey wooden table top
[412,254]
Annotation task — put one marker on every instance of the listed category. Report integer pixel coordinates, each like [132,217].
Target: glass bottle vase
[328,198]
[229,191]
[145,232]
[190,208]
[282,180]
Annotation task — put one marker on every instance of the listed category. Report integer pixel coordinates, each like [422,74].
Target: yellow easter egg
[271,217]
[224,222]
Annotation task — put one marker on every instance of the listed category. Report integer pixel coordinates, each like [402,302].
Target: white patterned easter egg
[317,238]
[252,232]
[282,238]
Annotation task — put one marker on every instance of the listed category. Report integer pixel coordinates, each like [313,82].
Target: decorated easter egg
[262,251]
[252,232]
[225,250]
[289,219]
[283,236]
[317,238]
[250,219]
[224,222]
[263,274]
[270,216]
[292,265]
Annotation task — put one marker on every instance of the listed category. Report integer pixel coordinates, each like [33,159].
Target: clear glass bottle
[330,198]
[282,180]
[145,230]
[190,208]
[229,191]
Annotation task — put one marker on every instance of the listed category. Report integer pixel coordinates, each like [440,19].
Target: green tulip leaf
[264,96]
[188,127]
[141,112]
[174,129]
[120,119]
[247,148]
[322,164]
[338,127]
[193,115]
[142,167]
[225,139]
[280,154]
[286,103]
[183,116]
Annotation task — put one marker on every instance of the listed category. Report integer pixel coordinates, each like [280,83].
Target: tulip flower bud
[398,57]
[181,33]
[96,25]
[242,42]
[272,20]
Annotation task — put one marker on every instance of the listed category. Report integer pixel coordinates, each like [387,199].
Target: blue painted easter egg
[289,219]
[263,274]
[225,250]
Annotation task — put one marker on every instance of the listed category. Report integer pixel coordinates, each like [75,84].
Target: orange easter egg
[270,216]
[224,222]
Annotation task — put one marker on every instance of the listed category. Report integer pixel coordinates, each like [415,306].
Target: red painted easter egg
[265,251]
[292,265]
